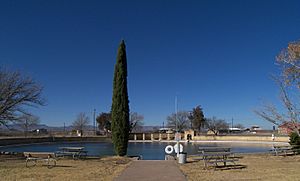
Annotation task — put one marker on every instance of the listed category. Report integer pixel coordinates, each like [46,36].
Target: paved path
[152,170]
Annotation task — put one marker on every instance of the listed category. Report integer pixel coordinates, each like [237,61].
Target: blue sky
[217,54]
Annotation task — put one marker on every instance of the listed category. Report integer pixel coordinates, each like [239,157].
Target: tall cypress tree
[120,104]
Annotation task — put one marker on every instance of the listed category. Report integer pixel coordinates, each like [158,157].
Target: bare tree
[289,61]
[81,122]
[270,113]
[182,120]
[26,121]
[16,93]
[135,122]
[213,124]
[289,81]
[239,126]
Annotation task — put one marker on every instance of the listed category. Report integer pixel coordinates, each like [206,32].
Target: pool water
[148,150]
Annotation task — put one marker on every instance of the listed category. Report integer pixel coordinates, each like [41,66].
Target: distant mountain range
[38,126]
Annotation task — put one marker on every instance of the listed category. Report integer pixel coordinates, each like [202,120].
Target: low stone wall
[20,140]
[152,136]
[241,138]
[166,137]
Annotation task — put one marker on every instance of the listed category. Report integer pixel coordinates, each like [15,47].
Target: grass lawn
[66,169]
[250,167]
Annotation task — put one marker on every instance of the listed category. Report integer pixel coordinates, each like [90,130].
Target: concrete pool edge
[210,141]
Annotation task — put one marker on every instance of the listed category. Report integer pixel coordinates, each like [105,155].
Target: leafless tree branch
[81,122]
[16,93]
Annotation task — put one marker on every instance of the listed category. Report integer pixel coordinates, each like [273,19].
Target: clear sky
[217,54]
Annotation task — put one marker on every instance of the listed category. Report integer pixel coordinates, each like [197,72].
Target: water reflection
[148,150]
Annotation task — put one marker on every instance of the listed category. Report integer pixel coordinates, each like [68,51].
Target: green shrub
[294,139]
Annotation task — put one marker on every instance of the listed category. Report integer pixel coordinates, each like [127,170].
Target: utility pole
[191,120]
[176,106]
[231,123]
[176,110]
[64,129]
[94,121]
[26,127]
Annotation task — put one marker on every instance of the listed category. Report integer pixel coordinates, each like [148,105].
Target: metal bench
[33,157]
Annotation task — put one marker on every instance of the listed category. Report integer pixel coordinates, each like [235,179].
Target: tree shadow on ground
[51,166]
[230,167]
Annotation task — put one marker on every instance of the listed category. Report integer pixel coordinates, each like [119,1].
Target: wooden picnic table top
[39,154]
[282,146]
[71,148]
[286,146]
[214,148]
[216,154]
[44,153]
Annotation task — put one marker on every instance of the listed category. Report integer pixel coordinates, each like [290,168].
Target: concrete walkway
[152,170]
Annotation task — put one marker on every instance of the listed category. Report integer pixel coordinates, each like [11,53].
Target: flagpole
[176,111]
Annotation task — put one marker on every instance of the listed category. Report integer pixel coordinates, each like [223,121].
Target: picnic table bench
[33,157]
[285,150]
[215,155]
[75,152]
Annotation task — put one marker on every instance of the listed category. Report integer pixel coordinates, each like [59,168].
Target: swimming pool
[148,150]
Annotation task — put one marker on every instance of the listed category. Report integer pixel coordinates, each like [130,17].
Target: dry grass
[250,167]
[66,169]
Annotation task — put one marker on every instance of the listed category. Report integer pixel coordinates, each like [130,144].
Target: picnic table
[285,150]
[33,157]
[215,155]
[75,152]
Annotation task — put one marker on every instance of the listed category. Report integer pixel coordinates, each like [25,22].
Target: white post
[143,136]
[134,137]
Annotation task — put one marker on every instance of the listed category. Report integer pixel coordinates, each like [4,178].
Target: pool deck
[151,170]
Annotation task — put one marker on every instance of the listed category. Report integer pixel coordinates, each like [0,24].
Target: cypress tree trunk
[120,104]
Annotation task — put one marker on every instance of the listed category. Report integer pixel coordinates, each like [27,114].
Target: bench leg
[28,161]
[51,162]
[205,164]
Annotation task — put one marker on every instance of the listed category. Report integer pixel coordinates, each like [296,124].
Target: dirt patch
[250,167]
[66,169]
